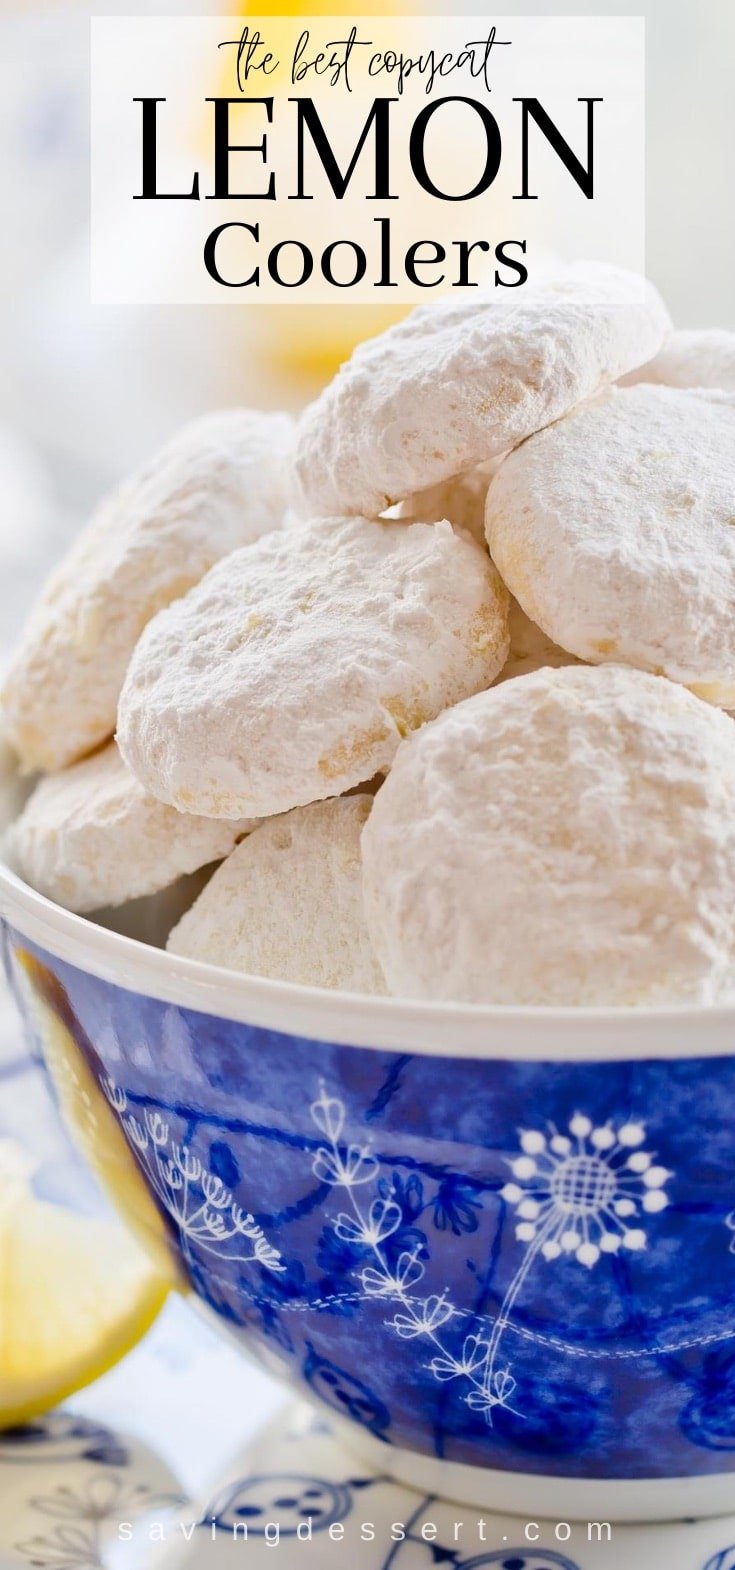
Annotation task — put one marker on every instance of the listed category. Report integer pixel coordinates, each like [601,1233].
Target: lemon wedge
[76,1294]
[94,1128]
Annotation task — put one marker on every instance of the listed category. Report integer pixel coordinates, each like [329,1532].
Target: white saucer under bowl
[76,1495]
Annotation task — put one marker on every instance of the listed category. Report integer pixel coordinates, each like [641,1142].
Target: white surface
[187,1394]
[61,1509]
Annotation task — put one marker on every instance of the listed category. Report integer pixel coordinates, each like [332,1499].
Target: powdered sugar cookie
[13,789]
[288,903]
[293,670]
[457,383]
[461,500]
[614,529]
[530,649]
[564,839]
[221,482]
[91,836]
[692,359]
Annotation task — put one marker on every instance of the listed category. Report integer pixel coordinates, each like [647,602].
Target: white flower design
[383,1219]
[433,1312]
[202,1208]
[580,1194]
[416,1317]
[346,1169]
[78,1541]
[584,1193]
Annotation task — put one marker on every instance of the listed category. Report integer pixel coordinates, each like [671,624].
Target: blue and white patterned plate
[66,1483]
[79,1495]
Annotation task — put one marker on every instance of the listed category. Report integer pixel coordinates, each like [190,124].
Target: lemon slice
[94,1128]
[75,1295]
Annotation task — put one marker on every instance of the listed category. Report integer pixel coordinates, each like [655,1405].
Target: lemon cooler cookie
[566,839]
[703,358]
[457,383]
[288,903]
[91,836]
[291,673]
[221,481]
[614,530]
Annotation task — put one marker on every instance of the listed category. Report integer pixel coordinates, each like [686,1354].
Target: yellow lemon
[75,1295]
[94,1127]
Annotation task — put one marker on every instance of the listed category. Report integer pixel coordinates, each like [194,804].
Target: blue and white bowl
[498,1244]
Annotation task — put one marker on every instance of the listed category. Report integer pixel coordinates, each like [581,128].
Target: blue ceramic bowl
[499,1244]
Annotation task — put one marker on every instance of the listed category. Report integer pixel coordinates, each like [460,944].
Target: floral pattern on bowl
[524,1266]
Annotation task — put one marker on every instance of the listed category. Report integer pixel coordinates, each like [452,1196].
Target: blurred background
[87,390]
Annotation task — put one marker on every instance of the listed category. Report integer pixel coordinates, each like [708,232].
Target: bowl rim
[448,1030]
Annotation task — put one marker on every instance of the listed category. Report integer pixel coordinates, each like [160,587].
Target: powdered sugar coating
[13,790]
[703,358]
[530,649]
[292,671]
[288,903]
[564,839]
[458,383]
[461,500]
[222,481]
[91,836]
[614,530]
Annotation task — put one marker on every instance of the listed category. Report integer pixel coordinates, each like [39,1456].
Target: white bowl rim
[450,1030]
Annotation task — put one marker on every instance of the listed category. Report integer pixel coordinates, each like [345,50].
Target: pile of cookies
[433,681]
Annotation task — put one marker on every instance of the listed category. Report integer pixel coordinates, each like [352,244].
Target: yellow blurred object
[310,340]
[322,9]
[93,1126]
[75,1295]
